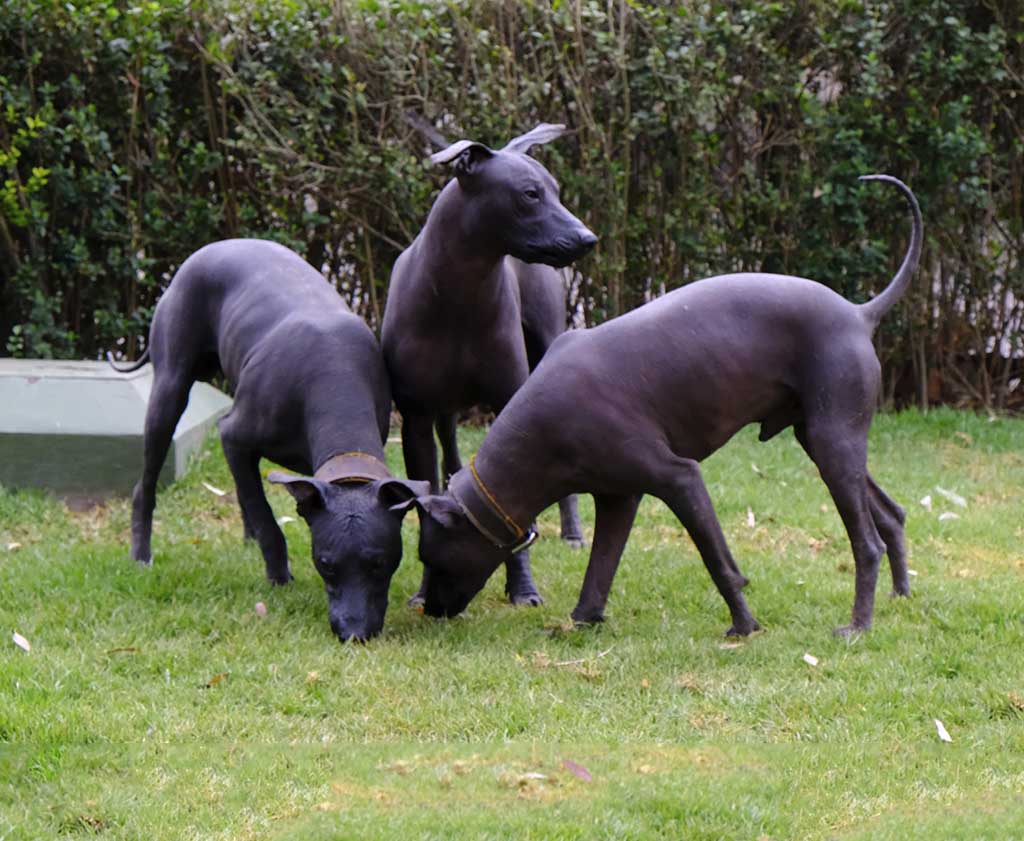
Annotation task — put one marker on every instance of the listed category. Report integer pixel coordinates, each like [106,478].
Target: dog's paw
[583,619]
[743,630]
[849,632]
[574,541]
[280,578]
[144,562]
[416,600]
[526,598]
[900,592]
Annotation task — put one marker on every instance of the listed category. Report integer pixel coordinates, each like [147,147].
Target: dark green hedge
[706,137]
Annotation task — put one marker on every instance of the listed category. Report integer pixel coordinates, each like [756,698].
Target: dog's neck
[458,248]
[520,475]
[339,421]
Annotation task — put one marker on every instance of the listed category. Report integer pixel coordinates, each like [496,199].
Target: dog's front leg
[451,463]
[258,516]
[688,498]
[420,454]
[419,449]
[613,520]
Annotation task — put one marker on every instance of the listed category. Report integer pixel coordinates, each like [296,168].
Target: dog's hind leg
[840,452]
[541,326]
[519,585]
[256,512]
[613,521]
[248,532]
[571,528]
[167,401]
[889,518]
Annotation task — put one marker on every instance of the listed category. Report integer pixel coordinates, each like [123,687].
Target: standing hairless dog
[470,309]
[631,407]
[311,393]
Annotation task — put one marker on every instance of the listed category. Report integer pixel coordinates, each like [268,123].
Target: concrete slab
[75,428]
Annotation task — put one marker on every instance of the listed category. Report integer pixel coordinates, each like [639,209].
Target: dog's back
[229,296]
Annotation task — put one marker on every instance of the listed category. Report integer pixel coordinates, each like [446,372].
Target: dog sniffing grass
[158,704]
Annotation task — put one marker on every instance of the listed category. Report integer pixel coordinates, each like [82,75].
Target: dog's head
[356,530]
[457,558]
[515,201]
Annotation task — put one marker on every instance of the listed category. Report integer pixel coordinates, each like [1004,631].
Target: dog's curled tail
[127,369]
[878,306]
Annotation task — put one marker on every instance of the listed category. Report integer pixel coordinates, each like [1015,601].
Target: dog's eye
[532,194]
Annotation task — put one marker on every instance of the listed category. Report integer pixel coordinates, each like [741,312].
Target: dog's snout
[587,239]
[352,629]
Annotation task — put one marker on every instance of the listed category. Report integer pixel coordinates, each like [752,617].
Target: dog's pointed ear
[443,510]
[466,154]
[544,133]
[308,492]
[399,495]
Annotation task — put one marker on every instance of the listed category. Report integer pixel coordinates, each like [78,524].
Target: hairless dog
[631,407]
[474,303]
[310,393]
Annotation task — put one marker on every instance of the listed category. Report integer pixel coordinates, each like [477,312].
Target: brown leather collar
[485,513]
[352,467]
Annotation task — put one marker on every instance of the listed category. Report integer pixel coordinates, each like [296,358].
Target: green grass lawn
[157,704]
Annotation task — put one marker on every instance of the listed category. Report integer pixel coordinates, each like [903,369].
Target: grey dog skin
[631,407]
[309,384]
[474,304]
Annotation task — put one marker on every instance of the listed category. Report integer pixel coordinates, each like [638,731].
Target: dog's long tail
[127,369]
[878,306]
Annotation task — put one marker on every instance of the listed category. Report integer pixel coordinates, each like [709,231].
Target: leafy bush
[705,137]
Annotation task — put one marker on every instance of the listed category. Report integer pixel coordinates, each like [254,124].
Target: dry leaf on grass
[558,628]
[943,733]
[948,515]
[810,660]
[285,519]
[217,678]
[21,642]
[730,645]
[926,501]
[751,522]
[13,546]
[261,609]
[597,656]
[955,498]
[578,770]
[213,490]
[123,649]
